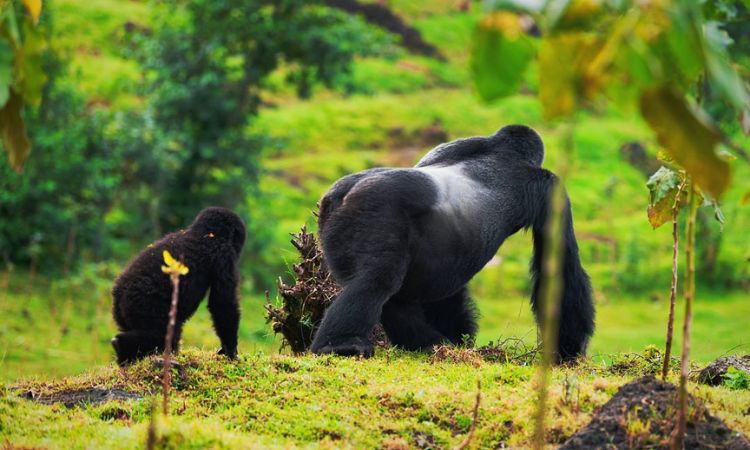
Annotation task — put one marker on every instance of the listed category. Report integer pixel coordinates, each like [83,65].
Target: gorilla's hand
[352,346]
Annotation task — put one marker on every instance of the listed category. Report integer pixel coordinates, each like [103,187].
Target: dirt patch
[641,415]
[635,154]
[713,373]
[80,397]
[383,17]
[407,146]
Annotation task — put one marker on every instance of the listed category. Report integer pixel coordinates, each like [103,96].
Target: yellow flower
[173,266]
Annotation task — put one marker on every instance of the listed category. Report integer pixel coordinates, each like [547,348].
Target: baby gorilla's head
[222,224]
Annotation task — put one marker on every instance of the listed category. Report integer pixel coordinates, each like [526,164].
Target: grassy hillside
[394,401]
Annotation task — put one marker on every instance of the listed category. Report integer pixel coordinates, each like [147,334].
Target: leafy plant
[735,378]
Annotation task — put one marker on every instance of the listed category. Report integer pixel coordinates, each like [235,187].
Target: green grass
[282,401]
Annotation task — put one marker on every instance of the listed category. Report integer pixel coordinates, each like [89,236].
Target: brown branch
[673,290]
[167,376]
[151,433]
[679,433]
[474,420]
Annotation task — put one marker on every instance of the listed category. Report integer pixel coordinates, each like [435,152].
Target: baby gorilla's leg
[133,345]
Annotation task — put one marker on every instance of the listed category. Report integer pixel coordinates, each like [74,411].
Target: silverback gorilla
[403,244]
[210,247]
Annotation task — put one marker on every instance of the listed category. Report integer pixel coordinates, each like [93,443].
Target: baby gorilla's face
[223,224]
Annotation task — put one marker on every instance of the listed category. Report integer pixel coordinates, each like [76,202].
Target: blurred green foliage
[108,177]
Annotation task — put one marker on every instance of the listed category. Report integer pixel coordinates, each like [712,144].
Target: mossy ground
[395,399]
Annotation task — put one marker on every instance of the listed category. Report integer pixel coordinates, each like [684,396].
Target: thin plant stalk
[679,433]
[673,289]
[551,287]
[167,377]
[474,420]
[151,432]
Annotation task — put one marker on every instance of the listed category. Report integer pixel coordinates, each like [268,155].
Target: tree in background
[204,64]
[57,202]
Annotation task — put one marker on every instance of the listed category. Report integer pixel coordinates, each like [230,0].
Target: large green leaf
[663,187]
[500,55]
[691,141]
[13,131]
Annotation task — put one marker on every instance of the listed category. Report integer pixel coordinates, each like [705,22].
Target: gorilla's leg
[406,326]
[365,243]
[349,320]
[454,316]
[133,345]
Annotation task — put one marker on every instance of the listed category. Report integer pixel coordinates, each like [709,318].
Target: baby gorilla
[210,247]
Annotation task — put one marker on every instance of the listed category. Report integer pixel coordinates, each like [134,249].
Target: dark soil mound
[383,17]
[713,373]
[80,397]
[641,415]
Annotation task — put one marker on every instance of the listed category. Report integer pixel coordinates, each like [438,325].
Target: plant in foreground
[174,269]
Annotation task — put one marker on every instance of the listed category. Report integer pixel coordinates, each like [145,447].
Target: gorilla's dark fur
[210,247]
[404,243]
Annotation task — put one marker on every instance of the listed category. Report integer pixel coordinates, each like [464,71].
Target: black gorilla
[404,243]
[210,247]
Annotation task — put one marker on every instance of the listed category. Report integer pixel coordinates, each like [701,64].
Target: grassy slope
[287,402]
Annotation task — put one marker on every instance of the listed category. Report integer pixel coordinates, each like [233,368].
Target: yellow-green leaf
[691,141]
[745,200]
[34,7]
[172,265]
[663,187]
[563,77]
[13,131]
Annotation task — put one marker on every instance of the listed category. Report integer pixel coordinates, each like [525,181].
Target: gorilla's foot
[349,346]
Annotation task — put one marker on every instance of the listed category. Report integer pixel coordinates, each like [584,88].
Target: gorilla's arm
[576,306]
[224,306]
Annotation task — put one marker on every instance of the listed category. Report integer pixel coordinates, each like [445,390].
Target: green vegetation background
[54,326]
